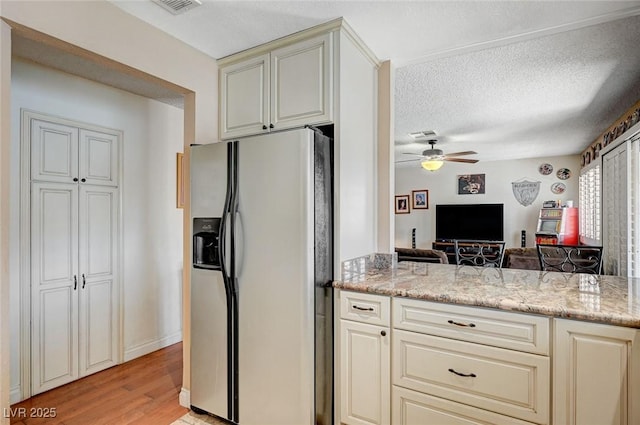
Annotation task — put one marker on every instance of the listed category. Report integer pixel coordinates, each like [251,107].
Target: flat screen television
[470,221]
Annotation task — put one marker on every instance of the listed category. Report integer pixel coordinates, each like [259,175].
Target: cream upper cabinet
[284,88]
[596,374]
[67,154]
[301,83]
[244,95]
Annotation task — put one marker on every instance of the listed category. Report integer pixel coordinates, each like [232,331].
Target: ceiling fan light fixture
[432,164]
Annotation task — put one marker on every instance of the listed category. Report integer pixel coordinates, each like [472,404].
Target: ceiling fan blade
[469,161]
[409,153]
[408,160]
[462,153]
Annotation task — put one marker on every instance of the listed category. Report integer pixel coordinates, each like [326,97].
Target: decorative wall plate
[545,169]
[558,188]
[563,173]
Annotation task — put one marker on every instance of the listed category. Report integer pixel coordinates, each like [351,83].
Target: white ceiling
[512,79]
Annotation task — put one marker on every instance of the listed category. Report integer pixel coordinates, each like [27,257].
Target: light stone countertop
[606,299]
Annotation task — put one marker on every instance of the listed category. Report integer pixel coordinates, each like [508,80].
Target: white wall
[153,133]
[128,41]
[5,146]
[442,187]
[355,156]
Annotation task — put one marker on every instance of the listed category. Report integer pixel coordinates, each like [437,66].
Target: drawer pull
[470,325]
[470,375]
[363,308]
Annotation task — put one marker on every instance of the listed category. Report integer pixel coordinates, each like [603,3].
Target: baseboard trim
[185,398]
[151,346]
[15,395]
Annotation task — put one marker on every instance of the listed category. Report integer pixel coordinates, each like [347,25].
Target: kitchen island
[436,343]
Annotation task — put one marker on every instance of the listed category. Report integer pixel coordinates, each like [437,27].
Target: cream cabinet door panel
[301,90]
[504,381]
[413,408]
[54,152]
[244,97]
[98,297]
[365,380]
[98,158]
[596,374]
[54,283]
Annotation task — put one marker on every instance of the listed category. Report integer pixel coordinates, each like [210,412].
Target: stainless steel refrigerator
[261,302]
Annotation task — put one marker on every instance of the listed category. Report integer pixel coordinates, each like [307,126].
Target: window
[589,202]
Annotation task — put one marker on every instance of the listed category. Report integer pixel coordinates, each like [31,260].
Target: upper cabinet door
[98,158]
[244,95]
[301,90]
[54,152]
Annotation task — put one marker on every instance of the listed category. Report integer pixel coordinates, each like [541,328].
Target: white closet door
[54,284]
[98,158]
[614,211]
[54,152]
[98,326]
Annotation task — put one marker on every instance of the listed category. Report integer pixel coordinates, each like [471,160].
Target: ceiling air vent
[177,7]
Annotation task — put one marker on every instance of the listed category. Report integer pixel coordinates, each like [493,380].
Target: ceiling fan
[432,159]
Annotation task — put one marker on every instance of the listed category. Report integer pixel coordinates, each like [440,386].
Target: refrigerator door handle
[239,244]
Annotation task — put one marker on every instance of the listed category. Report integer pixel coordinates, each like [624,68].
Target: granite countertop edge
[385,283]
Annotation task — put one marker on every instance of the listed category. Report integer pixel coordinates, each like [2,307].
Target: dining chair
[570,258]
[479,253]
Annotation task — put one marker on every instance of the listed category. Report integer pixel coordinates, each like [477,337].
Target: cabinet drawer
[413,408]
[503,381]
[515,331]
[366,308]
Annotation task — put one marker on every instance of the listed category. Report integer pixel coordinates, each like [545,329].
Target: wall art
[525,191]
[545,169]
[558,188]
[563,173]
[471,184]
[420,199]
[402,204]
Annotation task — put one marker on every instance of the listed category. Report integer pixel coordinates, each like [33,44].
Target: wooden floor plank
[142,391]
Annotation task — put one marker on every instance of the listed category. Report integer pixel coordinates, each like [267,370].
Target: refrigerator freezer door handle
[239,244]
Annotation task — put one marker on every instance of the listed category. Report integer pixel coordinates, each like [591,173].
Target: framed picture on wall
[179,180]
[420,199]
[402,204]
[471,184]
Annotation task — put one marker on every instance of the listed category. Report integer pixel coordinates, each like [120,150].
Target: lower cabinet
[596,374]
[365,383]
[410,362]
[414,408]
[503,381]
[364,390]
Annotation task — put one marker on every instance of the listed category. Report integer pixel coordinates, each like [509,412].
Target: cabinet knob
[270,125]
[383,333]
[83,180]
[264,127]
[75,179]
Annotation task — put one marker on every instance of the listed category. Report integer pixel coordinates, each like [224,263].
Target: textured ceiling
[510,79]
[543,97]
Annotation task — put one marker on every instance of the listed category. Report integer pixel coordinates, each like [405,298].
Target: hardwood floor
[142,391]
